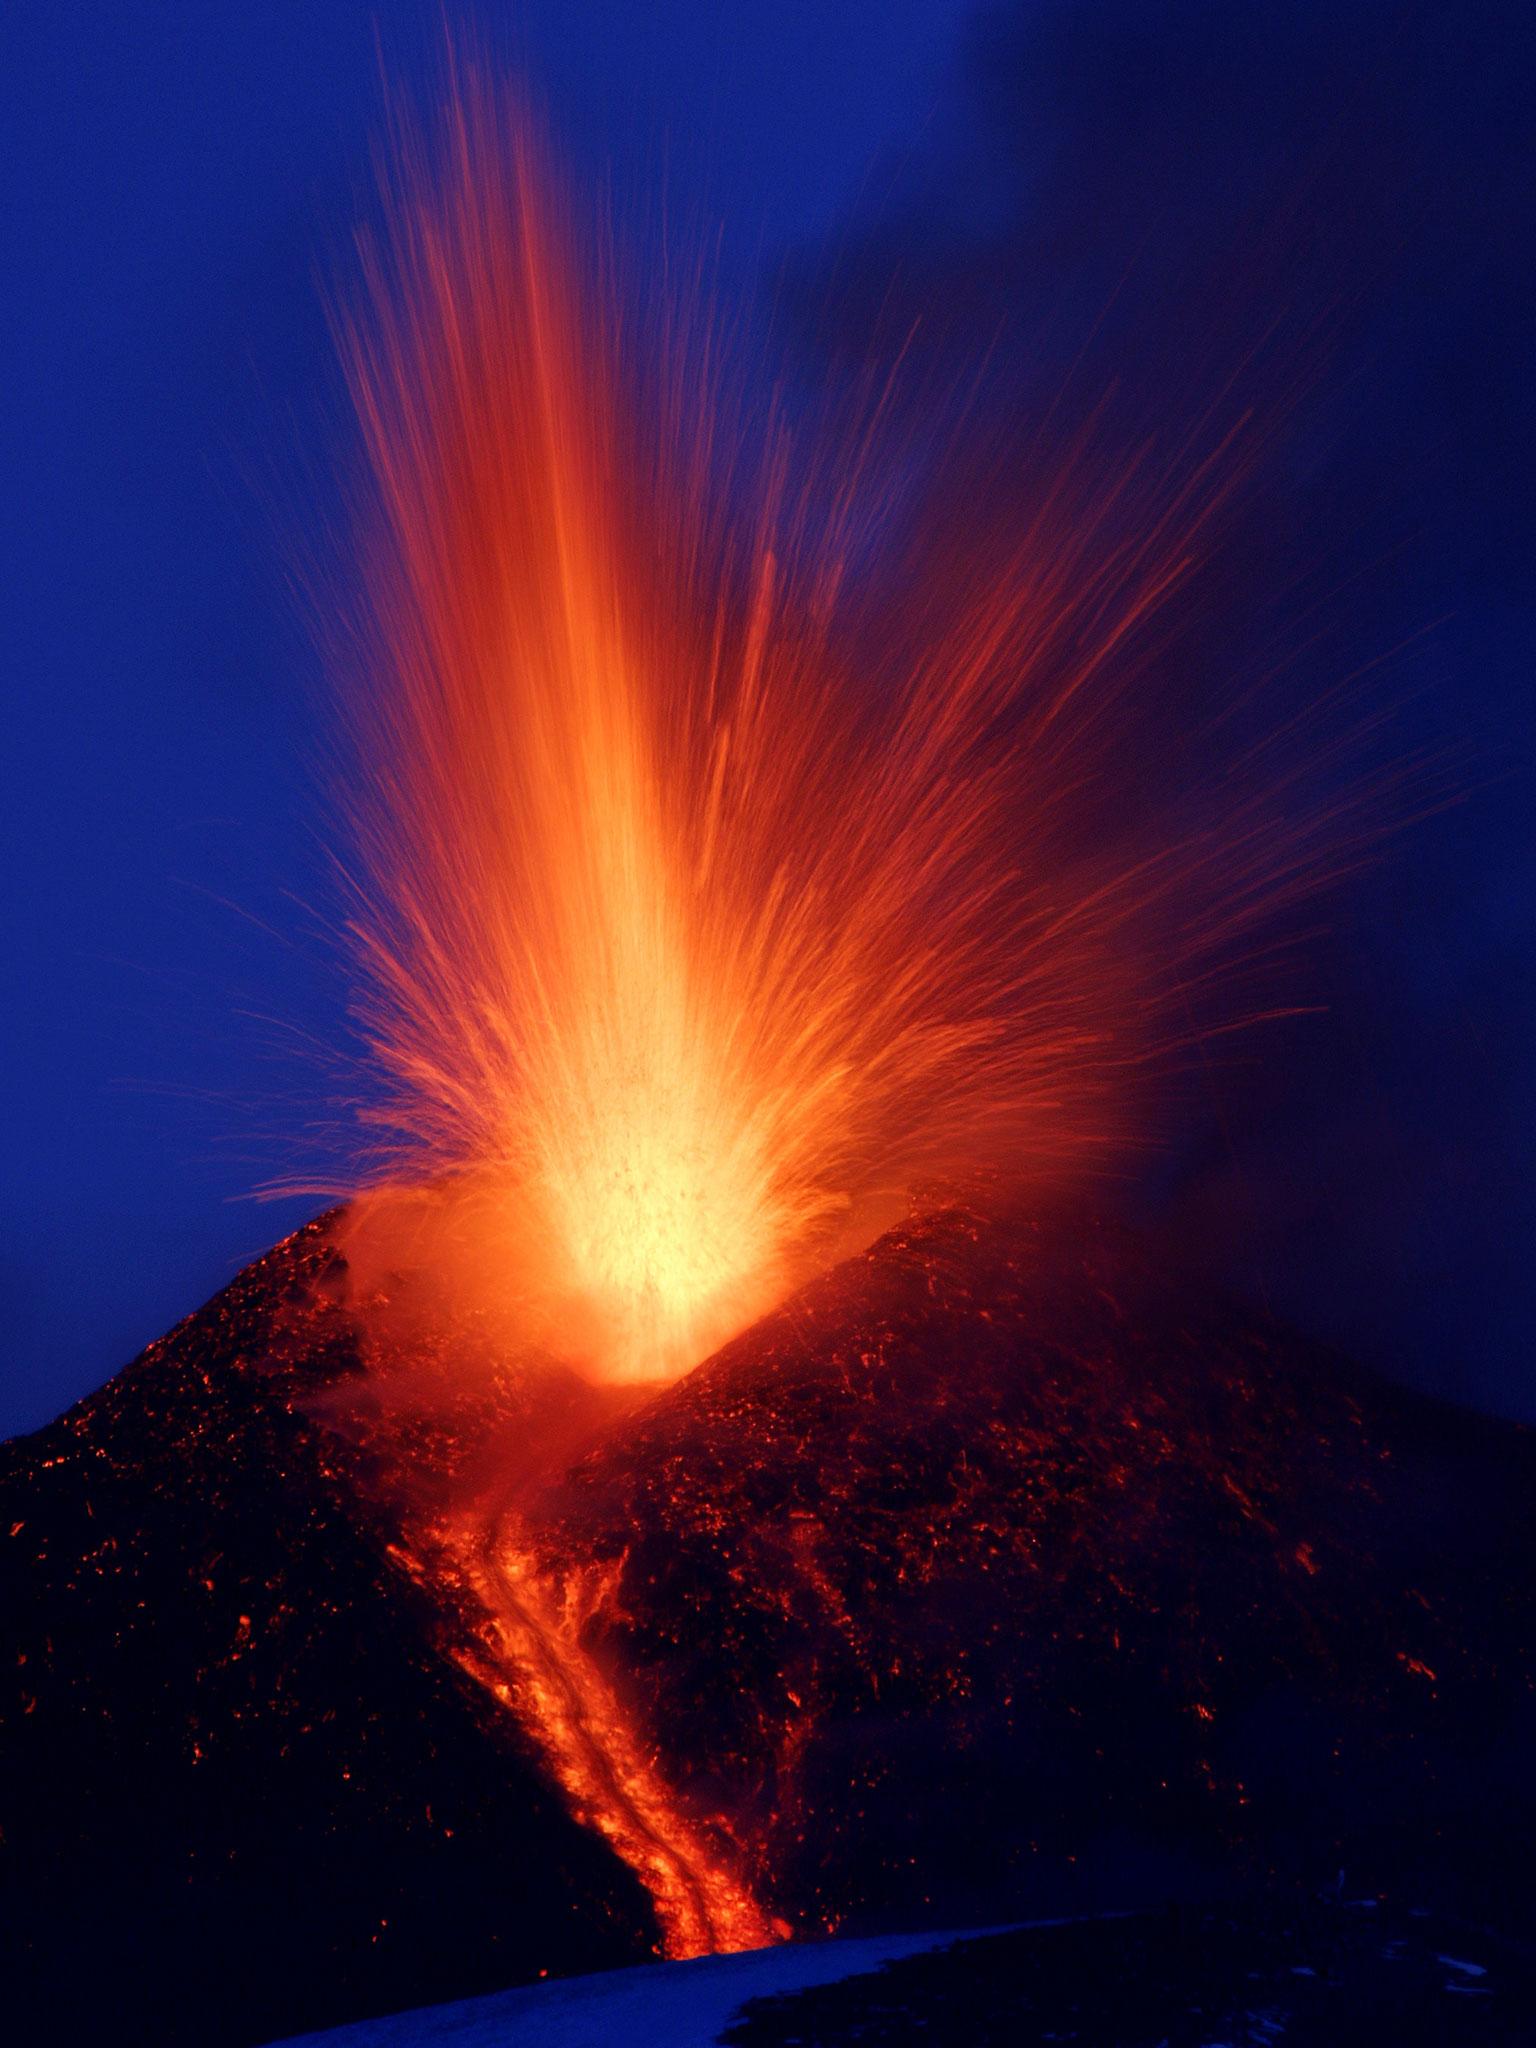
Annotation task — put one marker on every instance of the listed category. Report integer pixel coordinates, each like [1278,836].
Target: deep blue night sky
[177,179]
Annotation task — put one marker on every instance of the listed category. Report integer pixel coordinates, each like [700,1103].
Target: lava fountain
[707,887]
[739,835]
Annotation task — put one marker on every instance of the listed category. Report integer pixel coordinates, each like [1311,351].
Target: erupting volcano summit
[717,1477]
[744,821]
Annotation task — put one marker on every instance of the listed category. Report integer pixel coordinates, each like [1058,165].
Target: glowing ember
[706,894]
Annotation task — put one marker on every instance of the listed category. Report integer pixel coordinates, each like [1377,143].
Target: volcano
[1000,1570]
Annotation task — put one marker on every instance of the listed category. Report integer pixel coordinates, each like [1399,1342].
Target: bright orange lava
[709,890]
[539,1669]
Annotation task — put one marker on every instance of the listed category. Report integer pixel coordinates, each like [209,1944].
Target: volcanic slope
[997,1571]
[240,1793]
[1000,1571]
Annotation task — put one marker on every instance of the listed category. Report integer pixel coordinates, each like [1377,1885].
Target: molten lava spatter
[727,851]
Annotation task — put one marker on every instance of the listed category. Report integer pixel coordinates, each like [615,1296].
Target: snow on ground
[1271,1969]
[680,2005]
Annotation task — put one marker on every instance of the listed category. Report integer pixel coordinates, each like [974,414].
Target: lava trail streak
[538,1668]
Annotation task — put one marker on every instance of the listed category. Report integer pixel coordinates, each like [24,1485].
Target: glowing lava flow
[538,1668]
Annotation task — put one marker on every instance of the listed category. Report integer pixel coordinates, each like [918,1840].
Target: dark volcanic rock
[997,1572]
[239,1793]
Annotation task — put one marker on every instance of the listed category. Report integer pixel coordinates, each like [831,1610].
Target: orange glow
[707,893]
[538,1668]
